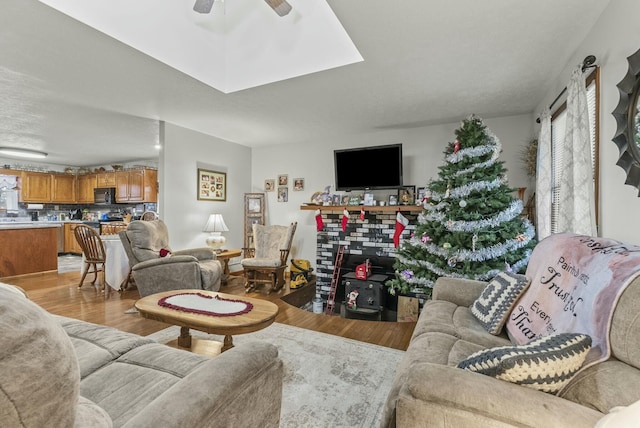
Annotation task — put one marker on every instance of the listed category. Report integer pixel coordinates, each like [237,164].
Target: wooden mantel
[377,208]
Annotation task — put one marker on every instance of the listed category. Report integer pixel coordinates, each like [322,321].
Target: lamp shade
[215,224]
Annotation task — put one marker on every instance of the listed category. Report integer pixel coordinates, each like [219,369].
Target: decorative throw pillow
[495,303]
[545,364]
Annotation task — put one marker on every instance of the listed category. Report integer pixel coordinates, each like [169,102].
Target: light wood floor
[59,294]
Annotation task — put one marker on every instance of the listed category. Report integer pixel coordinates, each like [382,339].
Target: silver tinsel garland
[494,145]
[512,211]
[469,152]
[487,253]
[485,276]
[465,190]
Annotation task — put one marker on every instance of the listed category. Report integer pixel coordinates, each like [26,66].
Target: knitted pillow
[497,300]
[545,364]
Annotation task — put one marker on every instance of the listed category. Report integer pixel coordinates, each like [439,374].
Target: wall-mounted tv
[376,167]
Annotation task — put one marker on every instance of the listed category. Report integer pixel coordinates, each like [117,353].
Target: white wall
[613,38]
[183,152]
[422,151]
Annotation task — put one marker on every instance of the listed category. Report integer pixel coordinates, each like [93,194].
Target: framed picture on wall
[283,194]
[283,180]
[269,185]
[298,184]
[212,185]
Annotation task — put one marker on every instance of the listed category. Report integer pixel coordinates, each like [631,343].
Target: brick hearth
[371,237]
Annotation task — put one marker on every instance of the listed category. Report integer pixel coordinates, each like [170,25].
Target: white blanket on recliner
[576,281]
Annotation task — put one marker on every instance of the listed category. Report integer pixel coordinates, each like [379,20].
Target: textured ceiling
[88,99]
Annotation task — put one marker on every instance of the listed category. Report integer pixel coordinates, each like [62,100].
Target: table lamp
[215,226]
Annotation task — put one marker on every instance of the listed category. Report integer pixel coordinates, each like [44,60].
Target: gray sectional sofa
[430,391]
[61,372]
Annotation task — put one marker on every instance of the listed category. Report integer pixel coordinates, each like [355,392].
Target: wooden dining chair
[93,252]
[149,216]
[112,228]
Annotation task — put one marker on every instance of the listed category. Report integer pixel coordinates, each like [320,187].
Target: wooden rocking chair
[267,261]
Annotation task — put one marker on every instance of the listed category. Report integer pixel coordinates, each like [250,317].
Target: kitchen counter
[28,247]
[29,224]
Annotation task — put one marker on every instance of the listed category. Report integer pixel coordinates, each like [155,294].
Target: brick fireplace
[371,238]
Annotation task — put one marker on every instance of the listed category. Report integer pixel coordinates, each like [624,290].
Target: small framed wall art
[269,185]
[283,180]
[212,185]
[283,194]
[298,184]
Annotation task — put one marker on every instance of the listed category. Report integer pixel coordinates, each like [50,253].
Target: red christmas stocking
[345,220]
[319,222]
[401,224]
[362,214]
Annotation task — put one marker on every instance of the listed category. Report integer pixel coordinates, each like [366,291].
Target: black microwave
[104,195]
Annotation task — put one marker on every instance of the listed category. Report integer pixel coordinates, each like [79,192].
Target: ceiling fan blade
[203,6]
[281,7]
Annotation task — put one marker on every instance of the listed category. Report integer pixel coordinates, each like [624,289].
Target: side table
[224,257]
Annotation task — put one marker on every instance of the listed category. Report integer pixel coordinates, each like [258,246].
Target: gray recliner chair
[156,268]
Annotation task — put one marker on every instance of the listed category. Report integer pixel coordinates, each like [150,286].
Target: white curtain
[577,205]
[543,177]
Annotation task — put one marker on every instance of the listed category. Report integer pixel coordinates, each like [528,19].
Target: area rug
[329,381]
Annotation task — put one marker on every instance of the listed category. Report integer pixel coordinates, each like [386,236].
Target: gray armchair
[145,243]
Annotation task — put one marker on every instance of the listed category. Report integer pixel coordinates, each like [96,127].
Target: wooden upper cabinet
[140,185]
[106,179]
[136,185]
[122,186]
[86,184]
[63,188]
[36,187]
[150,185]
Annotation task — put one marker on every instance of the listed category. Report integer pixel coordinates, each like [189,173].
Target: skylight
[239,45]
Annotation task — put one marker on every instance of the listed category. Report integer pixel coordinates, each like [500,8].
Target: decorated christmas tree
[471,226]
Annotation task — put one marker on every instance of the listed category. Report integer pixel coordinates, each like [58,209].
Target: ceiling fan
[281,7]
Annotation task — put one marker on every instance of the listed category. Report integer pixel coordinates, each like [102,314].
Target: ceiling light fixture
[22,153]
[203,6]
[281,7]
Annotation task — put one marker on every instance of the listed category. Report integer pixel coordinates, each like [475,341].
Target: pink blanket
[576,281]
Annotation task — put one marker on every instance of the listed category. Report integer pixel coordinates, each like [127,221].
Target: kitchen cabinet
[136,185]
[139,185]
[63,188]
[70,243]
[86,184]
[106,179]
[36,187]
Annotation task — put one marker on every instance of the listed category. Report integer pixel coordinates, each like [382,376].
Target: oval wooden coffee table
[192,316]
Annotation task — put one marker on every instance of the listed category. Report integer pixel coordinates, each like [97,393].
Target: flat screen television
[376,167]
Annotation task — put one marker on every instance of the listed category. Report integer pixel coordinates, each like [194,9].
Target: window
[558,128]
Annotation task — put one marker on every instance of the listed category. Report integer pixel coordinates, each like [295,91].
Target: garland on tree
[471,226]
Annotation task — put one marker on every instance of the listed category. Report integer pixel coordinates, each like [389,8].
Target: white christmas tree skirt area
[206,305]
